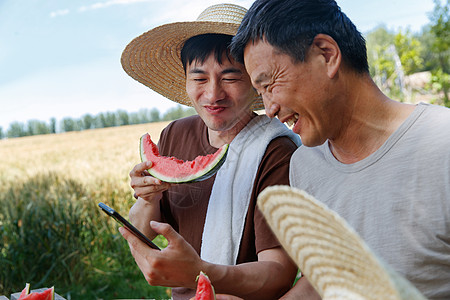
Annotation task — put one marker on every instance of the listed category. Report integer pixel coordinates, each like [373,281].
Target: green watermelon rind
[203,174]
[216,168]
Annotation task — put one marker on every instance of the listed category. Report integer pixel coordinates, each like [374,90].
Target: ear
[330,51]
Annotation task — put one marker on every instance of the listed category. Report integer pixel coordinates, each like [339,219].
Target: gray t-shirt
[397,199]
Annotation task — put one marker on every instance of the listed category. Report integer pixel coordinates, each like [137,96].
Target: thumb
[166,230]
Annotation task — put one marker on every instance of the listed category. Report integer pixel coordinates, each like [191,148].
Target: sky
[62,58]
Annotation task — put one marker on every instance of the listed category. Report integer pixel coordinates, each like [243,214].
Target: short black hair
[291,25]
[199,47]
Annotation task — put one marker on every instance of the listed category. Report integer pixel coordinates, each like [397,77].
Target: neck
[370,119]
[219,138]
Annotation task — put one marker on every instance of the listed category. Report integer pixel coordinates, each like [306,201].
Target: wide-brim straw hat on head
[330,254]
[154,60]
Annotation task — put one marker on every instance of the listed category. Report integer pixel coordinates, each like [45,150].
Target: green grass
[54,234]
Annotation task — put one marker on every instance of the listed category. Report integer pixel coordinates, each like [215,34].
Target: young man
[211,226]
[382,165]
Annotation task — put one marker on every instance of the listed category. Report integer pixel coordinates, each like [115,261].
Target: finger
[136,245]
[128,235]
[149,180]
[146,181]
[166,230]
[149,189]
[139,251]
[140,168]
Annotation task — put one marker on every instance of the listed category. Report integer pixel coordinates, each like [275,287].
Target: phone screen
[121,220]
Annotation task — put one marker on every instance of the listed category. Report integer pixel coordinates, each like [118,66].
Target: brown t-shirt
[184,206]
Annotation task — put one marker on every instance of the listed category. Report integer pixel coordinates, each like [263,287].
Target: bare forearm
[255,280]
[142,212]
[302,290]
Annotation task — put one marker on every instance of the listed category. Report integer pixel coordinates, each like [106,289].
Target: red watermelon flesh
[25,291]
[48,294]
[171,169]
[205,290]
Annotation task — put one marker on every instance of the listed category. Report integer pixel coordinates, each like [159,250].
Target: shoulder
[311,152]
[184,138]
[432,125]
[277,157]
[183,123]
[280,146]
[434,114]
[182,127]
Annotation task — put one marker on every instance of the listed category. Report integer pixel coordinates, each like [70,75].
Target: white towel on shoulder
[230,195]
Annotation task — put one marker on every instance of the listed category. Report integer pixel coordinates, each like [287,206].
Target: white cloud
[58,13]
[99,5]
[182,10]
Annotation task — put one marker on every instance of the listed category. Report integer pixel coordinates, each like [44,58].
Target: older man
[381,164]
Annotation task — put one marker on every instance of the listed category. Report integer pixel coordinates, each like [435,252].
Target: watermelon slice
[48,294]
[171,169]
[205,290]
[25,291]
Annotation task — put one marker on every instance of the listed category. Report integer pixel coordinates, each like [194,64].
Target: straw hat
[329,252]
[154,60]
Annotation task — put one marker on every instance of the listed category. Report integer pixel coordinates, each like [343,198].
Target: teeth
[292,120]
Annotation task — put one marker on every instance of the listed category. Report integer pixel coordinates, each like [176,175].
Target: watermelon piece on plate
[205,290]
[173,170]
[25,291]
[48,294]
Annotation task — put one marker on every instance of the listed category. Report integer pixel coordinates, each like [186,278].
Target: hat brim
[328,251]
[154,59]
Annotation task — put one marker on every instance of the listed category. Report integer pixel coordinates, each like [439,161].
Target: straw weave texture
[328,251]
[154,58]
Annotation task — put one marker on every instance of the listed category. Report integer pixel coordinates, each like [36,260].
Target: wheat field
[49,189]
[87,156]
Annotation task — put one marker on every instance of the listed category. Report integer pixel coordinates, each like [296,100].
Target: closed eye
[199,79]
[230,79]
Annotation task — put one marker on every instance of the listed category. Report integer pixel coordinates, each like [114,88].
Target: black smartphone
[121,220]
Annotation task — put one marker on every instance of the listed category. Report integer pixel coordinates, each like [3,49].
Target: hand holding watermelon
[146,186]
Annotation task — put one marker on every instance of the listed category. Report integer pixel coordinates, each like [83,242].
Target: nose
[214,91]
[270,107]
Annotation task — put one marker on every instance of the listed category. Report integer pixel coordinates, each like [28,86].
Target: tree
[52,125]
[36,127]
[69,124]
[154,115]
[122,118]
[16,129]
[440,28]
[391,56]
[380,57]
[88,121]
[409,50]
[178,112]
[2,135]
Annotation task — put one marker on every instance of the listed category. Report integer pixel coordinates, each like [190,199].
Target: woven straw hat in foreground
[329,252]
[154,59]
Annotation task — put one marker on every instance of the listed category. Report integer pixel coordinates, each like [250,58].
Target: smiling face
[220,93]
[297,92]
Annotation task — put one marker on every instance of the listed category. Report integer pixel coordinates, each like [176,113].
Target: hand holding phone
[121,220]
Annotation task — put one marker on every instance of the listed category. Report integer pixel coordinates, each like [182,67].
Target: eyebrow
[260,78]
[225,71]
